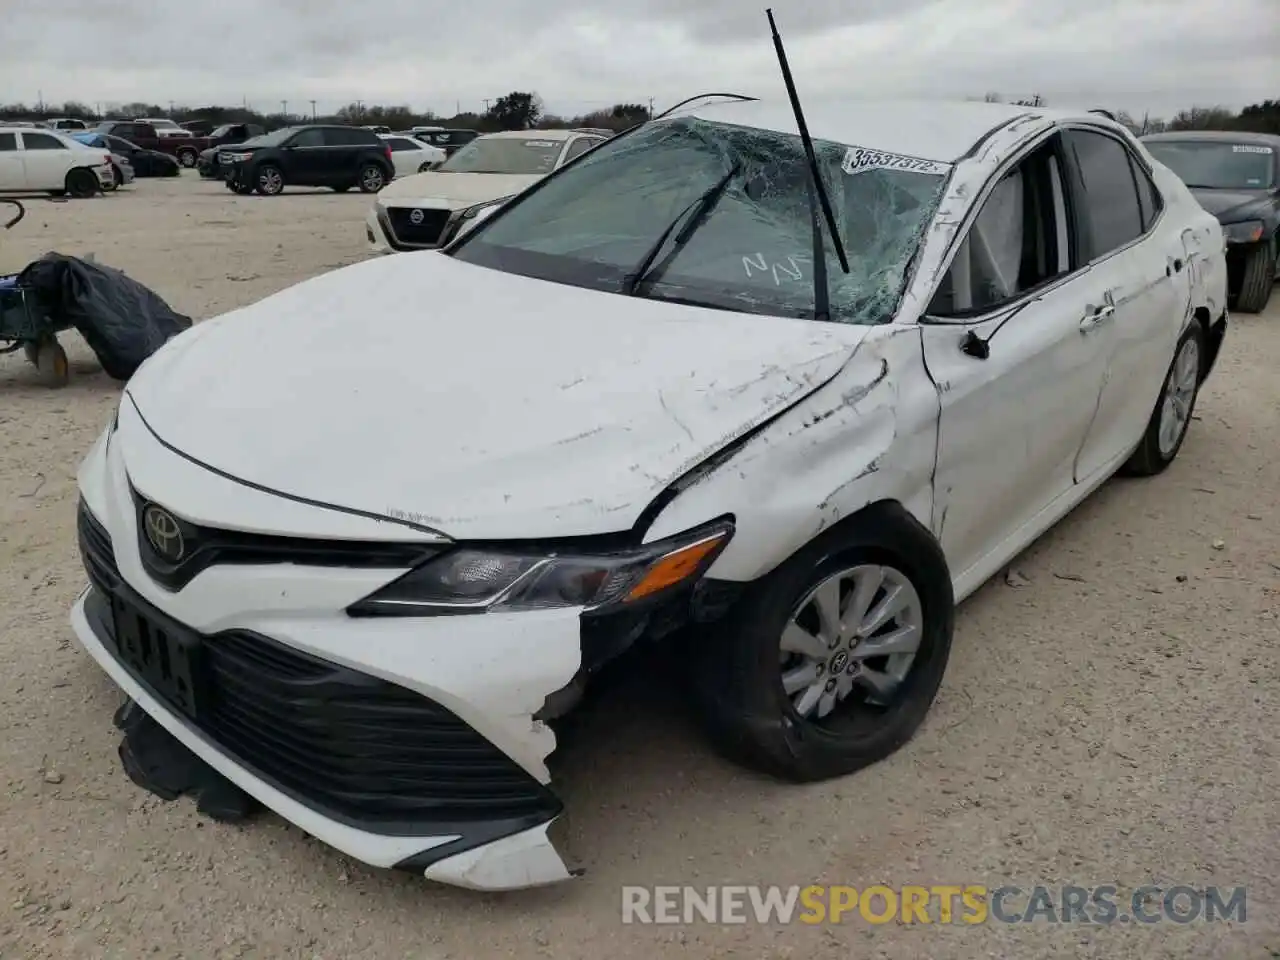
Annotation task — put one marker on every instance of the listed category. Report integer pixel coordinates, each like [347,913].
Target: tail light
[386,148]
[106,158]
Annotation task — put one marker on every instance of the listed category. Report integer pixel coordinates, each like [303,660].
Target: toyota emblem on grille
[417,217]
[163,533]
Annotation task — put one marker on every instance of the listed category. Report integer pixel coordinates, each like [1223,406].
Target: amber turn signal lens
[676,567]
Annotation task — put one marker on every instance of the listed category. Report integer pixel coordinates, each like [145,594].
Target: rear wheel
[268,180]
[81,183]
[188,157]
[1259,279]
[1168,425]
[372,178]
[832,661]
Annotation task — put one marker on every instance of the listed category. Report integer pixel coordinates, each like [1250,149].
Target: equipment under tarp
[123,321]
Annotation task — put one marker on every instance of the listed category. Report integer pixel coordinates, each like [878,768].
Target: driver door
[1018,381]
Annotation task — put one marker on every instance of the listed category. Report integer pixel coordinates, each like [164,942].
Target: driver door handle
[1099,316]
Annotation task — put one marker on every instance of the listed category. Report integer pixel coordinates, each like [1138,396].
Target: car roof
[31,128]
[1212,136]
[940,130]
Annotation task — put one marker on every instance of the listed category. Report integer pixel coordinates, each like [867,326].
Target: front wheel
[188,158]
[269,180]
[81,183]
[1168,425]
[1259,279]
[372,178]
[117,178]
[832,661]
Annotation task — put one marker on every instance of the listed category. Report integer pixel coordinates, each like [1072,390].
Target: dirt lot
[1109,719]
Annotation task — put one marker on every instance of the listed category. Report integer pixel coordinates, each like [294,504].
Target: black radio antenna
[823,200]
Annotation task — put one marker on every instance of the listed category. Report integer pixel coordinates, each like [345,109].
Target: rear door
[345,147]
[13,174]
[1138,261]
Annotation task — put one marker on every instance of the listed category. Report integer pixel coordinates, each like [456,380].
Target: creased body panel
[550,411]
[866,436]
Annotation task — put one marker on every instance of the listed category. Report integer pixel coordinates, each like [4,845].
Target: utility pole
[359,109]
[171,106]
[284,109]
[313,111]
[651,108]
[486,105]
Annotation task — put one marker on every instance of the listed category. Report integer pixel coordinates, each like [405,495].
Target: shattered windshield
[1214,165]
[514,155]
[594,223]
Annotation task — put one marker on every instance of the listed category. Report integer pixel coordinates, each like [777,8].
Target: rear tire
[81,183]
[188,157]
[740,673]
[117,177]
[1259,279]
[372,178]
[1171,418]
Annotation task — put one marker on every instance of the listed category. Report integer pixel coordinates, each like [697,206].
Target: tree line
[518,110]
[523,110]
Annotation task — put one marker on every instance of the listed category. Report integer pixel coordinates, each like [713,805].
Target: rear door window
[8,142]
[1110,192]
[42,141]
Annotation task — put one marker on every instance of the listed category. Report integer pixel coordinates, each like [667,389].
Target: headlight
[237,157]
[1249,231]
[470,212]
[478,579]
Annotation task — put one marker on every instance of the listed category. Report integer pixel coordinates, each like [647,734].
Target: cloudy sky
[1139,55]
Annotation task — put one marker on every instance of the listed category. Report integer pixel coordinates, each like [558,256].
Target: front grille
[426,233]
[355,747]
[208,546]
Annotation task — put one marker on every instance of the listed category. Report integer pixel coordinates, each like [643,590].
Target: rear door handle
[1099,316]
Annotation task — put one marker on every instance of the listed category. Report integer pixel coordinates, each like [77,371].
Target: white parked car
[647,401]
[36,160]
[410,156]
[165,127]
[427,210]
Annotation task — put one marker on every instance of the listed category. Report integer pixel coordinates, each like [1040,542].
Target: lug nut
[822,668]
[831,685]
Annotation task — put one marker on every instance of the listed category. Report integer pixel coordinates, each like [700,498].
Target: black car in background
[145,163]
[1236,177]
[225,135]
[314,155]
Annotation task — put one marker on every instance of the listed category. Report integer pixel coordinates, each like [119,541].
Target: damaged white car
[657,390]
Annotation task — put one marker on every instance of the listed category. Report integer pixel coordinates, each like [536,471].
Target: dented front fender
[869,434]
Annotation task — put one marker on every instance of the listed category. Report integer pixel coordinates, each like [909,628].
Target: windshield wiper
[692,217]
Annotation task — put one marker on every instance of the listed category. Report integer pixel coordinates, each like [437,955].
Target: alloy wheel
[1179,393]
[855,633]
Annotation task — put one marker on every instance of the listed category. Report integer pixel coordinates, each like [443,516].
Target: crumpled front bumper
[489,673]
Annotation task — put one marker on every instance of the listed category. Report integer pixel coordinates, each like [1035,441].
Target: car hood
[477,403]
[1230,206]
[453,191]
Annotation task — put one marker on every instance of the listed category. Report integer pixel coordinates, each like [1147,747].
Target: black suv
[223,136]
[316,155]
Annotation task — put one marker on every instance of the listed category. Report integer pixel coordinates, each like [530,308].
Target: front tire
[268,180]
[1259,279]
[831,662]
[188,158]
[1171,418]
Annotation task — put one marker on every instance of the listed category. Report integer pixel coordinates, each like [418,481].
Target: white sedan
[410,156]
[34,160]
[646,393]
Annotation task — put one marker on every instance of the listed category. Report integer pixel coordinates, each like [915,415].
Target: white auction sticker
[1250,148]
[860,159]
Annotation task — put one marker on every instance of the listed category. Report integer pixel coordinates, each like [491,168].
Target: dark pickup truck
[224,136]
[186,149]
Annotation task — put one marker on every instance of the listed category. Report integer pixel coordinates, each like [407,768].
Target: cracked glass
[751,251]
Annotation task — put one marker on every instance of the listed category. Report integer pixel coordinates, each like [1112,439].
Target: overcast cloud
[1139,55]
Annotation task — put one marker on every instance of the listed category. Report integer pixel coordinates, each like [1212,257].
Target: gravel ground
[1108,716]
